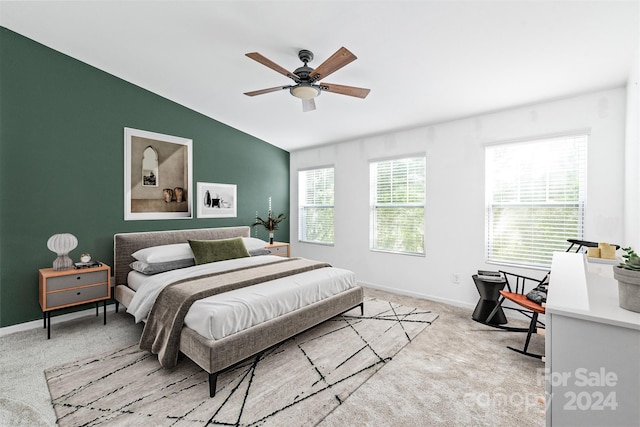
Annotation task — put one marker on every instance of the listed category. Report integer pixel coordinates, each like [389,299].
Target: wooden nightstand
[68,288]
[278,248]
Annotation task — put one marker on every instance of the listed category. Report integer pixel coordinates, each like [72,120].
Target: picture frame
[217,200]
[158,181]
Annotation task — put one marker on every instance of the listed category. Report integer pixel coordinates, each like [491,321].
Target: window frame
[578,205]
[302,205]
[375,205]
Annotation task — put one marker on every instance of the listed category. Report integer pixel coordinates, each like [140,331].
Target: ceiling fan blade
[269,63]
[271,89]
[308,105]
[336,61]
[358,92]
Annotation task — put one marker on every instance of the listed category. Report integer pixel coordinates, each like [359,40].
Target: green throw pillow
[206,251]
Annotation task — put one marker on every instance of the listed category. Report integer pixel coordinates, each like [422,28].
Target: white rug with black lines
[298,382]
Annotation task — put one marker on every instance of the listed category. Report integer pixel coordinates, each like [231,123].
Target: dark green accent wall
[62,166]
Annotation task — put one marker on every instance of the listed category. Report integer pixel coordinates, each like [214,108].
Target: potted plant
[628,276]
[271,223]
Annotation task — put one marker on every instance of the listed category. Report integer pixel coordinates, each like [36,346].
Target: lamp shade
[62,244]
[303,91]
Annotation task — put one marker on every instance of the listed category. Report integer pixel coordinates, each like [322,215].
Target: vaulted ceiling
[425,61]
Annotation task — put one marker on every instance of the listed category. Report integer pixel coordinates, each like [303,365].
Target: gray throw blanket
[161,334]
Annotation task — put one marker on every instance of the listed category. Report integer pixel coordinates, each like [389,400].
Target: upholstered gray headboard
[125,244]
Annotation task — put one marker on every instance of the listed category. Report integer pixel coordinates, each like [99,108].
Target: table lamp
[62,244]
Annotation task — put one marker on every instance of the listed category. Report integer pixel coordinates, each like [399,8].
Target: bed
[215,353]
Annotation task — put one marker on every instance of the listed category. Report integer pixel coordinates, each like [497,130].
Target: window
[535,194]
[397,205]
[315,200]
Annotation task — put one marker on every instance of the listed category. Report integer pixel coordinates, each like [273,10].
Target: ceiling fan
[306,78]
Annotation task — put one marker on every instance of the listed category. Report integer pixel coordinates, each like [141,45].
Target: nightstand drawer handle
[78,277]
[78,293]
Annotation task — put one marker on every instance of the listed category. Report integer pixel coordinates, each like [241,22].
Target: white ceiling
[424,61]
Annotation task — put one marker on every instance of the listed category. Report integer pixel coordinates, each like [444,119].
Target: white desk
[592,372]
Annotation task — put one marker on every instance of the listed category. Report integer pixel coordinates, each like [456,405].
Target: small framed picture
[217,200]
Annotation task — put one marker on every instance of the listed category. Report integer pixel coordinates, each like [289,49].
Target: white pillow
[164,253]
[253,244]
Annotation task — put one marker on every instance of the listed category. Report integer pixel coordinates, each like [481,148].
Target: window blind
[316,205]
[536,195]
[397,205]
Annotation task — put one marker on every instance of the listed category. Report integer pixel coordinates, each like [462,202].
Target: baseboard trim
[416,295]
[511,314]
[20,327]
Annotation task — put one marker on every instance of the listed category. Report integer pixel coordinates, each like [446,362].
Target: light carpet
[298,382]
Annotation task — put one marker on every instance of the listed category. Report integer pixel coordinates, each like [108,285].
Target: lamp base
[63,262]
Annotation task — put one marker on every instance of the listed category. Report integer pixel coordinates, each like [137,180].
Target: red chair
[528,308]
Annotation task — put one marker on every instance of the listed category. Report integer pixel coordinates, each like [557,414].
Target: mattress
[224,314]
[135,280]
[149,289]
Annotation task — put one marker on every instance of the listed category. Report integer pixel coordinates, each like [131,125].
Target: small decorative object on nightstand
[62,244]
[278,248]
[271,223]
[59,289]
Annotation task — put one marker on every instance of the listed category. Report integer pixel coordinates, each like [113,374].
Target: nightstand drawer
[72,296]
[278,250]
[80,279]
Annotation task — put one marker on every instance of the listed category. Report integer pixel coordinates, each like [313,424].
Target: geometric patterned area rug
[298,382]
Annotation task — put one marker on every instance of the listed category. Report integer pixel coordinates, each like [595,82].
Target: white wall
[632,158]
[455,213]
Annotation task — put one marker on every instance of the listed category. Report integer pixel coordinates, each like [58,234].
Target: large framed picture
[217,200]
[157,176]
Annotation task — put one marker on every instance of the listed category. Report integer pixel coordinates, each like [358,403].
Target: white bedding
[224,314]
[230,312]
[136,279]
[149,289]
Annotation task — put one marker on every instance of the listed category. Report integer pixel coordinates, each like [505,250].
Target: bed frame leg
[117,306]
[213,379]
[362,309]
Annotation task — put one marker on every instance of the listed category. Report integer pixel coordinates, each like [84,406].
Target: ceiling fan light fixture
[305,91]
[306,79]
